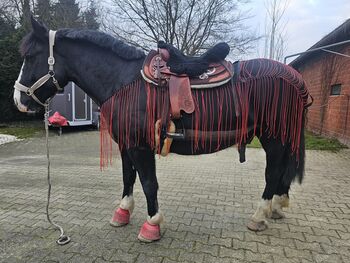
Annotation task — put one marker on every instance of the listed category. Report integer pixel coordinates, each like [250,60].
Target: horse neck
[97,71]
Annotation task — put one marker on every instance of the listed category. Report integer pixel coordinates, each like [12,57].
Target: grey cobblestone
[207,202]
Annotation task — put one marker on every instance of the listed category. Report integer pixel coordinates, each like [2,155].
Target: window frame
[333,87]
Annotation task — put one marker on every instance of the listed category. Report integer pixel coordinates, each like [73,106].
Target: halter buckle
[51,61]
[51,73]
[29,92]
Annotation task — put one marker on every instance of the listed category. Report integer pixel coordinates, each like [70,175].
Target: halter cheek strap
[50,75]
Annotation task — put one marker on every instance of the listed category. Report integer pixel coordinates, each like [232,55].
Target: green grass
[316,142]
[255,143]
[312,142]
[22,130]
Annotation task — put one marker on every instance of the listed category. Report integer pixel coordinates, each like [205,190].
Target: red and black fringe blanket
[272,92]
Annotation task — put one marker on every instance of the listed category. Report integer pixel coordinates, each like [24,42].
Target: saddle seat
[192,66]
[170,68]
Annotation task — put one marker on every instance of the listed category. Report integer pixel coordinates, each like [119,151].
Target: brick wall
[337,108]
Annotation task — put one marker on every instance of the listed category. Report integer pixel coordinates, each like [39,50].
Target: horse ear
[39,29]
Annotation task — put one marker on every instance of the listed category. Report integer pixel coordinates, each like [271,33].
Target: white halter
[45,78]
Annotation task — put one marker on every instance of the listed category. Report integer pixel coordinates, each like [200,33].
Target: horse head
[42,73]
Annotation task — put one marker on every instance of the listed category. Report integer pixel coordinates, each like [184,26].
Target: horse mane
[26,44]
[103,40]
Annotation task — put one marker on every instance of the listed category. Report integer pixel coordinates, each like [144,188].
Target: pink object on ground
[121,217]
[58,120]
[149,233]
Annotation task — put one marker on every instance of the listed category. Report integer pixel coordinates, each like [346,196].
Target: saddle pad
[155,71]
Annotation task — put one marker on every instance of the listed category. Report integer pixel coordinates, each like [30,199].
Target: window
[335,89]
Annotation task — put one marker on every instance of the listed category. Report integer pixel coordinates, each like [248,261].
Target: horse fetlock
[277,214]
[278,202]
[128,203]
[263,211]
[157,219]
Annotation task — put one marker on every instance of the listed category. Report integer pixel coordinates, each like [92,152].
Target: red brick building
[327,76]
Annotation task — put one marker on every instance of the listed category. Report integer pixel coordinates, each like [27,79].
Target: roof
[341,33]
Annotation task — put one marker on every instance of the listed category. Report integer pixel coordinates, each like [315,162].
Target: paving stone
[183,245]
[298,253]
[271,249]
[209,249]
[191,257]
[285,242]
[213,240]
[313,246]
[277,258]
[325,258]
[206,215]
[122,256]
[258,257]
[142,258]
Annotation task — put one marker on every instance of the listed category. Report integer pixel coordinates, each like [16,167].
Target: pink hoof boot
[121,217]
[149,233]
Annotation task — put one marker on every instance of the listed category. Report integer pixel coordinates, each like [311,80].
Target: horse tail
[296,163]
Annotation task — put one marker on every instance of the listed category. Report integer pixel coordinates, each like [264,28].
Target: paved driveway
[207,201]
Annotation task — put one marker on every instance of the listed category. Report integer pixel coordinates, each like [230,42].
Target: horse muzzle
[17,101]
[20,106]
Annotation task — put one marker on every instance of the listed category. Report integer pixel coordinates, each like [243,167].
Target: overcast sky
[307,21]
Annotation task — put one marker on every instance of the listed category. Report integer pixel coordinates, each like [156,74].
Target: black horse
[265,99]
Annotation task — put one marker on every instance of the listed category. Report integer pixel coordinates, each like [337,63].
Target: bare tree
[190,25]
[17,11]
[275,43]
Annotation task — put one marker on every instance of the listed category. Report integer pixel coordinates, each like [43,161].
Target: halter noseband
[45,78]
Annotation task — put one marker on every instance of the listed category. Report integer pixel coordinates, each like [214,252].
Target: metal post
[317,49]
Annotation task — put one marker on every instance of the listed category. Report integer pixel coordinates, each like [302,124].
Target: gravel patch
[4,138]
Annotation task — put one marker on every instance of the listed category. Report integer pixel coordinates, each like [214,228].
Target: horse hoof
[121,217]
[149,233]
[277,214]
[257,226]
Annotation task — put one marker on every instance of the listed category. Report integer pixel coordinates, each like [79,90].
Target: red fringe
[124,106]
[275,91]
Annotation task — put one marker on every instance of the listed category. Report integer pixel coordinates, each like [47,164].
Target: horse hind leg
[279,201]
[294,169]
[122,214]
[144,162]
[276,159]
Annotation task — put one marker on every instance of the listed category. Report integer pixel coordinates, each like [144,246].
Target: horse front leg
[144,161]
[122,214]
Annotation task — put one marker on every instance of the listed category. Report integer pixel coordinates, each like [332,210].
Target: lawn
[312,142]
[22,130]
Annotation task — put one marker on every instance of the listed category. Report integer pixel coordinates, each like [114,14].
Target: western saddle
[170,68]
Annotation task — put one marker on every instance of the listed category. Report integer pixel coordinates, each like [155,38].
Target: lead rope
[63,239]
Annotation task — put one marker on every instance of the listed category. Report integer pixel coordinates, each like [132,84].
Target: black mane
[100,39]
[26,44]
